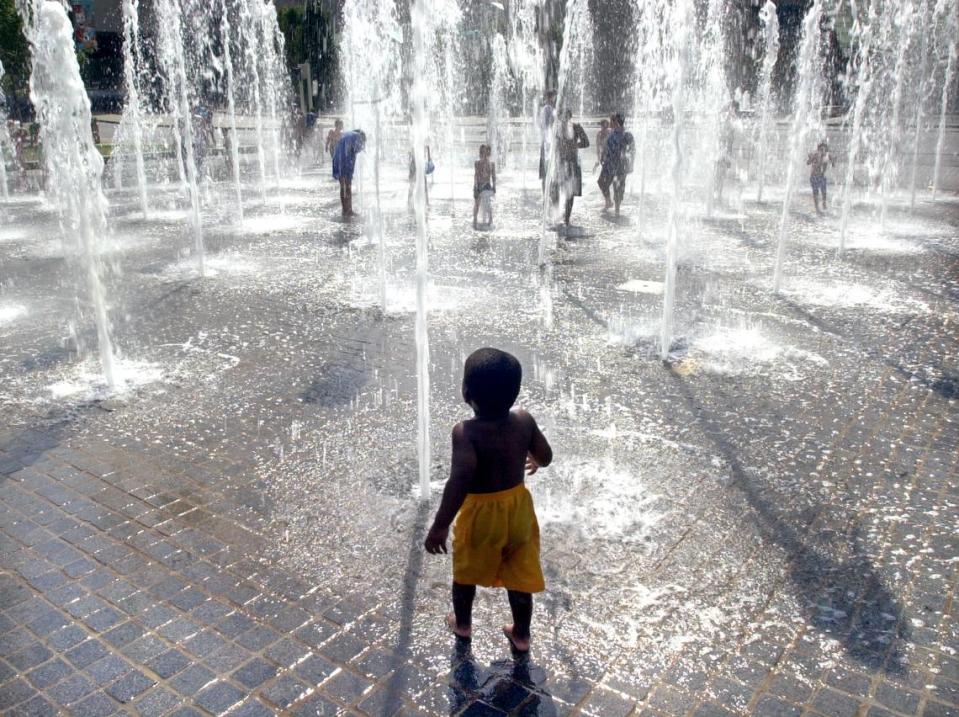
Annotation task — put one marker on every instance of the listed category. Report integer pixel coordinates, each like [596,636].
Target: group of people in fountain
[559,165]
[560,172]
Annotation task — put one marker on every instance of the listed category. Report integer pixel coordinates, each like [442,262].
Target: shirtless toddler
[496,536]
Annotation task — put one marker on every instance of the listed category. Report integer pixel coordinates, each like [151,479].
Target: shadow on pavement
[511,686]
[844,599]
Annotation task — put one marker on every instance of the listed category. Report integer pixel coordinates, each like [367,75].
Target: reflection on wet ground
[762,525]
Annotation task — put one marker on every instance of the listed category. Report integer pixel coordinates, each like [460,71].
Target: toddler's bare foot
[518,644]
[466,633]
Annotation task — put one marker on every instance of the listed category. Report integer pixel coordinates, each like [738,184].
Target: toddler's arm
[463,466]
[539,453]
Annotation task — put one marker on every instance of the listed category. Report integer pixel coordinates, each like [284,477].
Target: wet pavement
[763,525]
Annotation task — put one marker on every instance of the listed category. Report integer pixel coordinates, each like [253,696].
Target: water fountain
[422,22]
[497,108]
[889,172]
[806,121]
[133,110]
[651,87]
[226,38]
[770,24]
[681,57]
[249,29]
[711,76]
[946,17]
[181,97]
[526,61]
[4,141]
[74,164]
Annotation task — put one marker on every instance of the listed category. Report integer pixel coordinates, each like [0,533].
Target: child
[601,137]
[496,536]
[333,137]
[344,160]
[484,180]
[617,162]
[568,175]
[412,185]
[818,161]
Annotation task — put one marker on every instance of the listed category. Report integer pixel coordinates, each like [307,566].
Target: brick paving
[242,538]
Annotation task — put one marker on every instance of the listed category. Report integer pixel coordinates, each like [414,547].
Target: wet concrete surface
[765,524]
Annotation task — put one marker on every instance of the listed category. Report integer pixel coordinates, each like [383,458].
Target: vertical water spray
[571,21]
[272,49]
[4,140]
[226,40]
[496,106]
[421,20]
[947,10]
[650,84]
[890,163]
[249,29]
[864,84]
[715,96]
[920,100]
[131,74]
[172,51]
[770,23]
[74,165]
[806,116]
[682,22]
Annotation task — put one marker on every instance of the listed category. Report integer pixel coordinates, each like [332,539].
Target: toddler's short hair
[491,379]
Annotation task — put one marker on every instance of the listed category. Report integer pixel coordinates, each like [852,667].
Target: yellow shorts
[496,541]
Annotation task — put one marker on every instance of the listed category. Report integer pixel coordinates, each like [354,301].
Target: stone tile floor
[235,542]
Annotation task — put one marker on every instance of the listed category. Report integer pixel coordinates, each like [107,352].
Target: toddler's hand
[531,465]
[435,542]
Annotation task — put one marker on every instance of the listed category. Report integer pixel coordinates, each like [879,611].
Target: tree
[291,25]
[15,57]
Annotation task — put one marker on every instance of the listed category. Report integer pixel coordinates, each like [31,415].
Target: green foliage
[13,51]
[291,25]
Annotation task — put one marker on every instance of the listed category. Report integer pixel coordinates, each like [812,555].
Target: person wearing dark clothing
[568,175]
[617,162]
[344,161]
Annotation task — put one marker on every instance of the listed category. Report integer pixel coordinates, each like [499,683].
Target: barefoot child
[818,161]
[484,180]
[496,536]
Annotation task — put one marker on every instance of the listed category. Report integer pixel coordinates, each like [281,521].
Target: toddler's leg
[463,605]
[521,605]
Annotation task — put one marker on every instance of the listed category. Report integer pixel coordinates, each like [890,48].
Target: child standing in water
[818,161]
[484,180]
[496,536]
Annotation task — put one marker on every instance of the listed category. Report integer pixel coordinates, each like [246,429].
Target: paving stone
[258,638]
[14,692]
[191,680]
[105,671]
[156,702]
[96,705]
[123,633]
[235,624]
[343,647]
[66,638]
[70,690]
[86,653]
[30,656]
[36,707]
[284,690]
[774,707]
[168,663]
[316,706]
[203,643]
[347,687]
[129,686]
[254,673]
[315,669]
[219,697]
[45,675]
[898,699]
[833,704]
[287,652]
